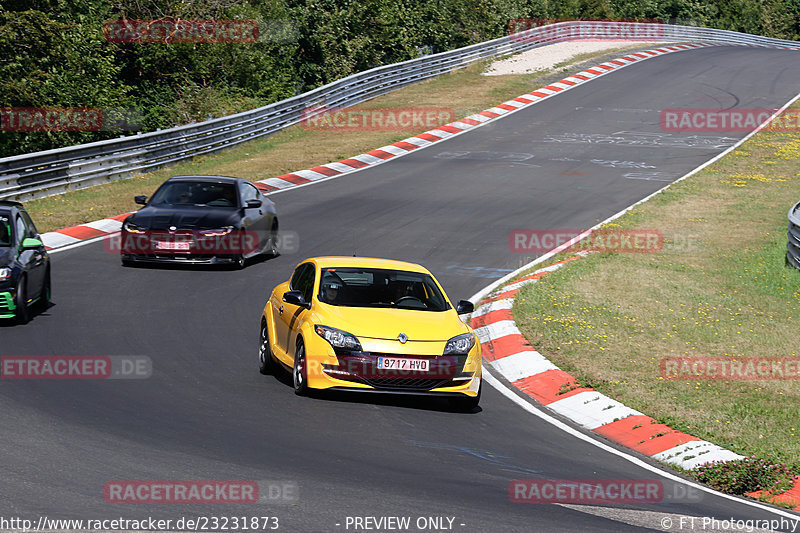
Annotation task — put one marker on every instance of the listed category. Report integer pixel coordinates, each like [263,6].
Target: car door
[255,218]
[32,261]
[288,315]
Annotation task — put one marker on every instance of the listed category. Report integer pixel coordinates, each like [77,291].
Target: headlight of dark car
[130,227]
[220,232]
[5,273]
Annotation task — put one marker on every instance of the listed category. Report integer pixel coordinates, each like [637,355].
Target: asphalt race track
[206,412]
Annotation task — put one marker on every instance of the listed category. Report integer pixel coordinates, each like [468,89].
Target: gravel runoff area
[547,57]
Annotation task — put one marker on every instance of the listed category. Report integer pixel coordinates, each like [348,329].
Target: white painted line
[54,239]
[417,141]
[440,133]
[519,284]
[344,168]
[497,110]
[497,305]
[498,330]
[522,365]
[309,174]
[368,159]
[394,150]
[525,404]
[276,182]
[108,225]
[591,409]
[694,453]
[483,118]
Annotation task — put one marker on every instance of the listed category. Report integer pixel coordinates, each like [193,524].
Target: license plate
[168,245]
[397,363]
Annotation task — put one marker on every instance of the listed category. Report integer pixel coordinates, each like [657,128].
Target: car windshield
[377,287]
[196,193]
[5,231]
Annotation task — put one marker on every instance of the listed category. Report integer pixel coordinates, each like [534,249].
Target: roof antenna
[354,242]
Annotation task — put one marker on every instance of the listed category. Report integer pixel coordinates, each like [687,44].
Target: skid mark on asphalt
[477,272]
[484,455]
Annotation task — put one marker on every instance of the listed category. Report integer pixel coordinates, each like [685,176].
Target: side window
[20,230]
[303,280]
[28,222]
[248,192]
[298,273]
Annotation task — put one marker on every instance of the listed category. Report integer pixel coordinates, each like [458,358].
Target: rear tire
[266,364]
[300,371]
[23,313]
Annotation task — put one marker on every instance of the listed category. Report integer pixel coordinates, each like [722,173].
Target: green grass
[610,318]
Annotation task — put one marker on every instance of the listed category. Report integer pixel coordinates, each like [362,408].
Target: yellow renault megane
[363,324]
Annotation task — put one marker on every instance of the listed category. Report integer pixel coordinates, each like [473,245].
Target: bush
[749,475]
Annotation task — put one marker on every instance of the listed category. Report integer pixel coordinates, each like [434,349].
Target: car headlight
[460,344]
[133,228]
[5,273]
[216,232]
[338,338]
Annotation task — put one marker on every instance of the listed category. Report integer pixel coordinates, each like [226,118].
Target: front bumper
[447,375]
[184,258]
[7,306]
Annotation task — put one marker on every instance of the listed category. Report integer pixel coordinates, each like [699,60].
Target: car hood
[161,218]
[378,323]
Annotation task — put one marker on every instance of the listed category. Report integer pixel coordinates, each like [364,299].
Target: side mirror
[296,298]
[140,199]
[464,307]
[252,204]
[31,244]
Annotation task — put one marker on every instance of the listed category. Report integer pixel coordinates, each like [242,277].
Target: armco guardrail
[41,174]
[793,246]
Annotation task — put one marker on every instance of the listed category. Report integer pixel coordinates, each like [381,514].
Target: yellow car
[363,324]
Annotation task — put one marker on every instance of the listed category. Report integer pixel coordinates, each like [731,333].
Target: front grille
[6,302]
[403,383]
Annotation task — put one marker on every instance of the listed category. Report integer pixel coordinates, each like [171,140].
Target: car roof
[11,203]
[210,179]
[366,262]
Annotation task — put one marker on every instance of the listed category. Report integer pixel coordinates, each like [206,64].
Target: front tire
[23,313]
[272,247]
[44,297]
[467,403]
[300,371]
[266,364]
[238,262]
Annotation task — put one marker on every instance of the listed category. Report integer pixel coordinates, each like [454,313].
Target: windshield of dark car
[377,287]
[196,193]
[5,230]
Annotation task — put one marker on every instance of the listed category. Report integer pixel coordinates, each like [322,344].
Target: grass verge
[465,91]
[718,288]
